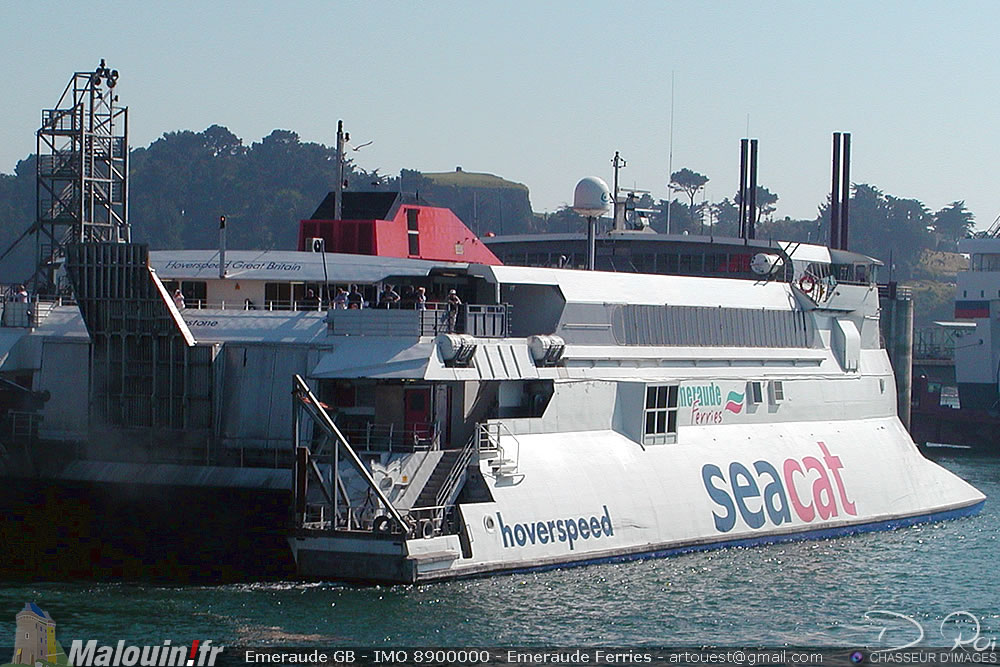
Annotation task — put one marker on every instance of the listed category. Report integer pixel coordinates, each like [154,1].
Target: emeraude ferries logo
[92,654]
[765,495]
[567,531]
[707,405]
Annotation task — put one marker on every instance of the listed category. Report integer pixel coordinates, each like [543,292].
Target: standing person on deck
[454,303]
[354,300]
[388,298]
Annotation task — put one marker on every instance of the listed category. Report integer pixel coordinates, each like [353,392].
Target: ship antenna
[338,196]
[670,152]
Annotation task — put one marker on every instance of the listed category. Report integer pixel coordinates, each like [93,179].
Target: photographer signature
[961,628]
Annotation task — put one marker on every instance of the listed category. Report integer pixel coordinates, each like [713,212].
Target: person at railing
[409,299]
[354,300]
[21,295]
[179,299]
[340,300]
[420,299]
[388,298]
[310,302]
[454,303]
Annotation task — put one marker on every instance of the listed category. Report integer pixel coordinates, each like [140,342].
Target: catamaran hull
[591,497]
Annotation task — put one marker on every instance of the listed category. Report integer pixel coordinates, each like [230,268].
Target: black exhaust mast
[748,188]
[840,192]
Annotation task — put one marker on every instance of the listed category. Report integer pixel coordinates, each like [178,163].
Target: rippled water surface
[807,593]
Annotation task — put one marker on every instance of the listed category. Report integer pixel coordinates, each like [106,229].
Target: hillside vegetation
[181,184]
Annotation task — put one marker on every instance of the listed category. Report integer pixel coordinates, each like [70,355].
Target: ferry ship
[554,417]
[192,414]
[608,416]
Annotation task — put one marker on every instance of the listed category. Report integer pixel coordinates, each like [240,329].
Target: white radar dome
[592,197]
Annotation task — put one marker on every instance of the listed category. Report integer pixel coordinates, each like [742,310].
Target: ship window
[755,393]
[195,293]
[777,391]
[660,415]
[412,232]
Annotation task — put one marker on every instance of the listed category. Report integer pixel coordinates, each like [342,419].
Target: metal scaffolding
[82,172]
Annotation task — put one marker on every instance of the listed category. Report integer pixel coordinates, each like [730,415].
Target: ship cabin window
[412,230]
[777,391]
[660,415]
[755,392]
[986,262]
[279,296]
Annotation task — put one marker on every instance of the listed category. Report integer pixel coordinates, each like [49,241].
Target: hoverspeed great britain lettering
[556,530]
[92,654]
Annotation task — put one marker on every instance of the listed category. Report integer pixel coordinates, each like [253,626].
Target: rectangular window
[755,393]
[777,391]
[660,415]
[277,296]
[412,231]
[195,293]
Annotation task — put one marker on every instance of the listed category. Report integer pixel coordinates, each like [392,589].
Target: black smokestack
[846,185]
[835,195]
[752,206]
[743,188]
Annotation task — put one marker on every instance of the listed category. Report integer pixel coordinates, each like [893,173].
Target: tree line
[896,230]
[182,182]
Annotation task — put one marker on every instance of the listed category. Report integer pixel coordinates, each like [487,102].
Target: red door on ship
[417,413]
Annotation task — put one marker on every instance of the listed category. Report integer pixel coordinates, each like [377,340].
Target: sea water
[938,580]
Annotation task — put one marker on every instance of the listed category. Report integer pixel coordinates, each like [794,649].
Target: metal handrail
[455,474]
[485,433]
[315,409]
[388,437]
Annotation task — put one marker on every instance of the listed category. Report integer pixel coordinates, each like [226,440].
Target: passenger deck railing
[480,320]
[375,437]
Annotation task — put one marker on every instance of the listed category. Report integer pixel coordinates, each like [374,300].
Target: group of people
[345,300]
[412,298]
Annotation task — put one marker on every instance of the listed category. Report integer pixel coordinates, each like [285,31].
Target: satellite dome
[592,197]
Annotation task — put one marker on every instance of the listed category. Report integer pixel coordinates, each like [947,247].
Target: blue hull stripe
[818,534]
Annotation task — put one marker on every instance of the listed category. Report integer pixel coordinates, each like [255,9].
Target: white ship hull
[589,497]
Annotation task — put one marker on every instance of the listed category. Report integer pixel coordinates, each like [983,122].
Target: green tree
[888,228]
[954,221]
[690,183]
[766,202]
[727,218]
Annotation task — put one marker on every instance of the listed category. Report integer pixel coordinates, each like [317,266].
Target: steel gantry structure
[82,172]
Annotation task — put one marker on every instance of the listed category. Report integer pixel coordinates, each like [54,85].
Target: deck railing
[480,320]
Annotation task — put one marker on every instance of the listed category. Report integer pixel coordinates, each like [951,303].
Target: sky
[544,93]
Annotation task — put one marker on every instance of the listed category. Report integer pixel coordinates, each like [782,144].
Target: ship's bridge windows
[985,262]
[858,273]
[660,415]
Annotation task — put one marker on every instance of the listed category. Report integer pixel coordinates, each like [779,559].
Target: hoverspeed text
[556,530]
